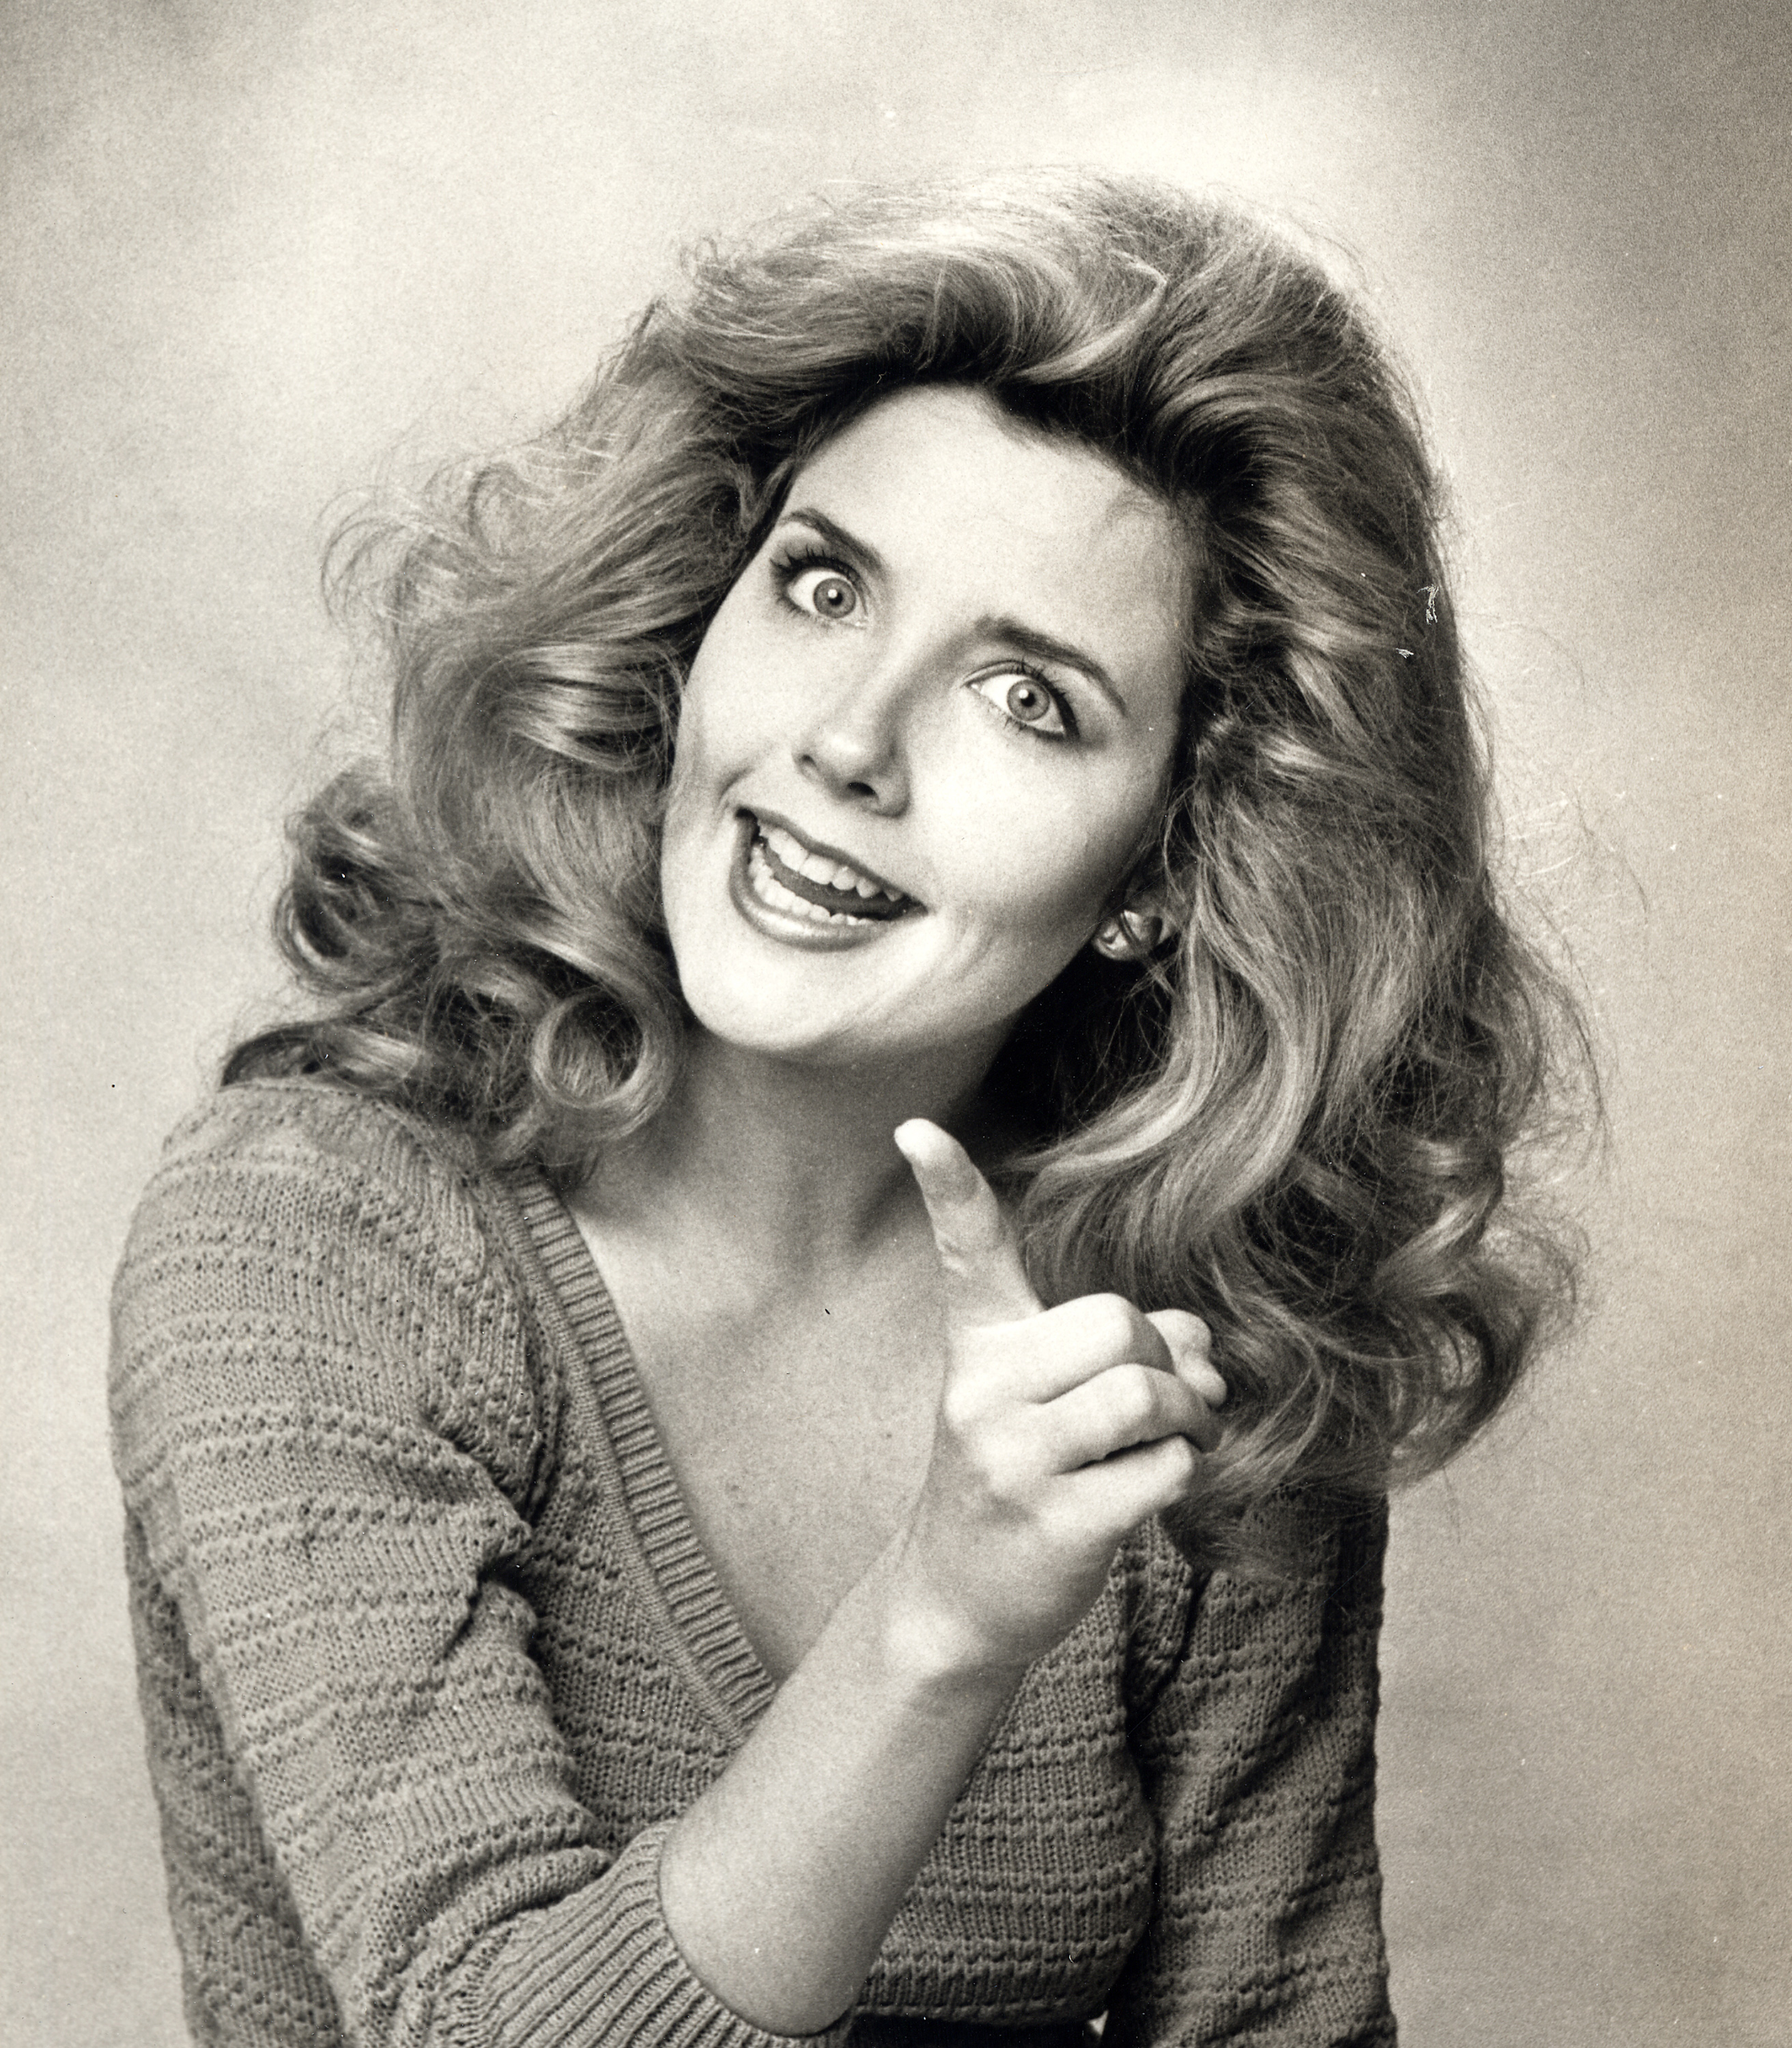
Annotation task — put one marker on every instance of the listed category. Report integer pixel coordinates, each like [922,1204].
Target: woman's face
[924,739]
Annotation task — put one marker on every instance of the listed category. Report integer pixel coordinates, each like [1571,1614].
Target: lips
[790,875]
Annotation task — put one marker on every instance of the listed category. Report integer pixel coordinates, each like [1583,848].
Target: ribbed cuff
[600,1968]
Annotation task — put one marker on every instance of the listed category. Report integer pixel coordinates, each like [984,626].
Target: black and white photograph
[896,1047]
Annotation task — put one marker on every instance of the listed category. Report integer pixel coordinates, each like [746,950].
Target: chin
[800,1036]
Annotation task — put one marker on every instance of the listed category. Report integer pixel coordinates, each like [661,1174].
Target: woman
[865,1609]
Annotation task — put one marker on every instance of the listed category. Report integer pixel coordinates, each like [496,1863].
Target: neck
[790,1164]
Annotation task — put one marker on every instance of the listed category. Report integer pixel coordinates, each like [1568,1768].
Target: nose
[852,745]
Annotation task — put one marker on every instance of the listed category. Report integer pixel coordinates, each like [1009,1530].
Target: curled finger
[1127,1405]
[1190,1344]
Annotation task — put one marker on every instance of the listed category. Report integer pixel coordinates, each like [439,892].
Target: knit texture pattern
[430,1659]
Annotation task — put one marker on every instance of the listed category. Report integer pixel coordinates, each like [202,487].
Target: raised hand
[1059,1431]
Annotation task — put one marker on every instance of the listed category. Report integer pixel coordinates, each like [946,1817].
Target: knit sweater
[431,1659]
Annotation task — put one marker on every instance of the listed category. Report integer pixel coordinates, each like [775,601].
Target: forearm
[781,1881]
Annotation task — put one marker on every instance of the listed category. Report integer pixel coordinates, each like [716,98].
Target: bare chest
[798,1430]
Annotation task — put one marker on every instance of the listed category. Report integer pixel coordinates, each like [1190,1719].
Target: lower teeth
[773,893]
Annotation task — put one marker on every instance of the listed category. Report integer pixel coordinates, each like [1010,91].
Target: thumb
[986,1281]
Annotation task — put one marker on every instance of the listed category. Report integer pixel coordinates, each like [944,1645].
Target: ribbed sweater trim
[594,1970]
[609,1400]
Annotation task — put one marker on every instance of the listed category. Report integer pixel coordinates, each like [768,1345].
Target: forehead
[941,478]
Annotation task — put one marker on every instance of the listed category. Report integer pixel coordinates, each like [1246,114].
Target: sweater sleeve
[1257,1753]
[327,1431]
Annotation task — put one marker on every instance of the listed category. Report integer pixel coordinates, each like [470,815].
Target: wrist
[931,1652]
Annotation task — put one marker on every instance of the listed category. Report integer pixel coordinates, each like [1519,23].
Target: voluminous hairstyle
[1296,1117]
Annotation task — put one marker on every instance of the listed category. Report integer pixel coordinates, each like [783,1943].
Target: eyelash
[789,562]
[792,560]
[1018,669]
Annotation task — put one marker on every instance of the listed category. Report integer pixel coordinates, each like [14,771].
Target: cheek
[703,724]
[1059,856]
[684,799]
[720,720]
[1037,881]
[739,701]
[705,764]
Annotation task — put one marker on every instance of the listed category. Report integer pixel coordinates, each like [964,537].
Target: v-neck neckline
[677,1574]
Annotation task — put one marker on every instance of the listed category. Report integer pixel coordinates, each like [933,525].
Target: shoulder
[300,1134]
[300,1242]
[297,1178]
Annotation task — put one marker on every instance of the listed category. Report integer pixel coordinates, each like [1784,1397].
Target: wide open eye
[1027,701]
[822,591]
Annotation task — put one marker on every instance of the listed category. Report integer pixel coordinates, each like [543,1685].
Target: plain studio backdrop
[259,252]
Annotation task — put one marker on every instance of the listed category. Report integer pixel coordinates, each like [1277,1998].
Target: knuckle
[963,1407]
[1113,1319]
[956,1258]
[1008,1481]
[1132,1400]
[994,1436]
[1183,1329]
[1007,1470]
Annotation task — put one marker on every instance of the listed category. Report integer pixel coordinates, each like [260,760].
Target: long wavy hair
[1296,1115]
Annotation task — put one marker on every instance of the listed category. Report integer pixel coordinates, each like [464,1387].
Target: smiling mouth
[787,875]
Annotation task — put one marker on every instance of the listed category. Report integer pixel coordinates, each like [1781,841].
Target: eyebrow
[838,538]
[1044,646]
[1032,641]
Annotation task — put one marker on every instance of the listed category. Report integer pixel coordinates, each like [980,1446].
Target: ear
[1135,932]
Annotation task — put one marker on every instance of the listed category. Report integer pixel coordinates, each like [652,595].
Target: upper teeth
[817,867]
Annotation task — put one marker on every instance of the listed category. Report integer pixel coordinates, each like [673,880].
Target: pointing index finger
[985,1280]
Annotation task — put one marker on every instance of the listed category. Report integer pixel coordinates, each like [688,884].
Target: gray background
[256,253]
